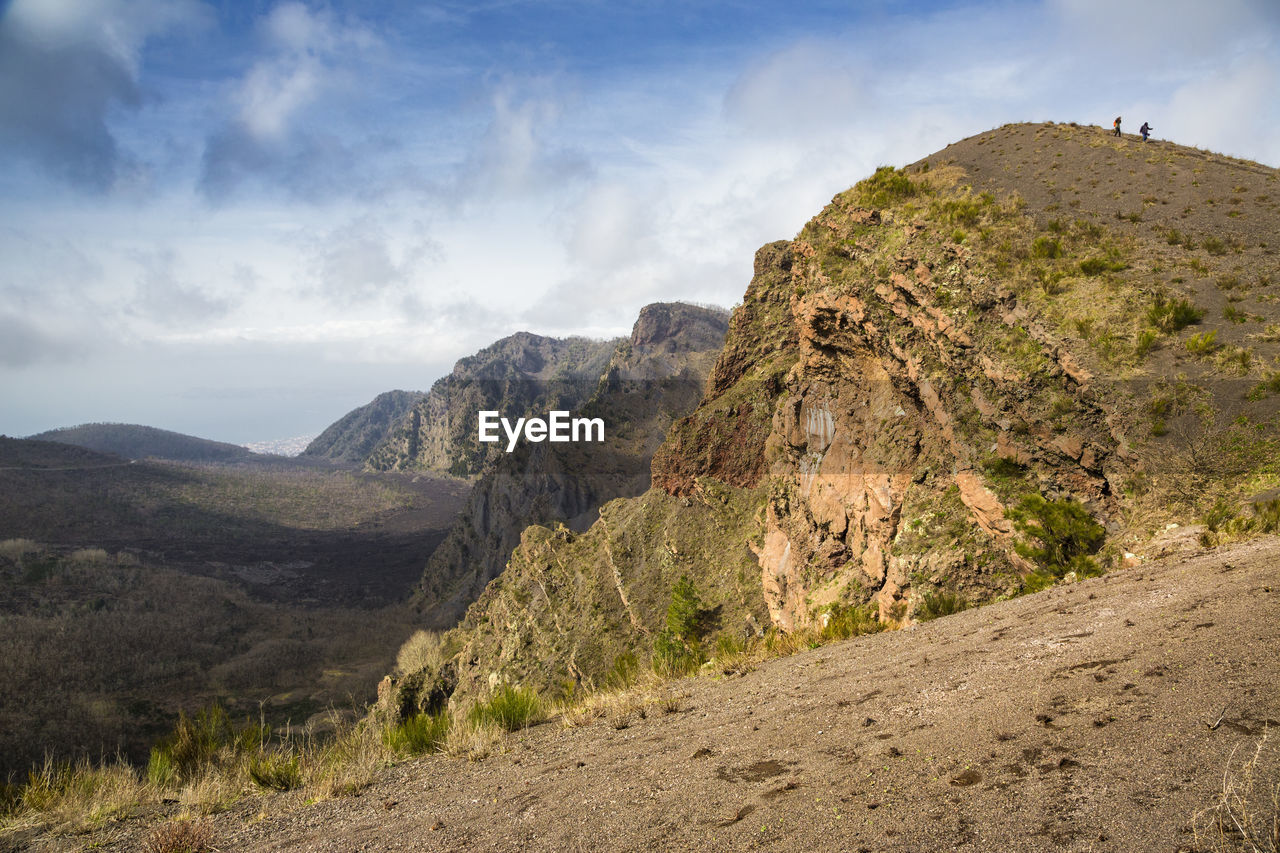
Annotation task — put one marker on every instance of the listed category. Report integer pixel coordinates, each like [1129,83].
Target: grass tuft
[180,836]
[510,708]
[419,734]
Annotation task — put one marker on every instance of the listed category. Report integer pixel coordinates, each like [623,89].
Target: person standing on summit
[1117,125]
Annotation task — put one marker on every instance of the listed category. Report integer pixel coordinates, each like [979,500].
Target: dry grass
[16,549]
[423,650]
[180,836]
[77,797]
[650,695]
[1246,815]
[89,557]
[474,741]
[348,763]
[215,790]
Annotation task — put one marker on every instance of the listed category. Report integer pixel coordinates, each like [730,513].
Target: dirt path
[1076,719]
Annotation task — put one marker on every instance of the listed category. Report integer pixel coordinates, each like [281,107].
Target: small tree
[1063,534]
[675,648]
[684,615]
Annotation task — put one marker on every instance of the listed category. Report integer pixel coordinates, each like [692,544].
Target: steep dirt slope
[1097,716]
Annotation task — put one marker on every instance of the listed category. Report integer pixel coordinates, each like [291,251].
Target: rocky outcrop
[569,606]
[872,374]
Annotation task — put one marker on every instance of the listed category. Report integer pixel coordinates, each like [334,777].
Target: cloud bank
[315,184]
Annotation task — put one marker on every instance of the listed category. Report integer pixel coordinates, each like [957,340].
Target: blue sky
[241,220]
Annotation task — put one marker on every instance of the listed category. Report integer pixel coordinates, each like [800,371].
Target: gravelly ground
[1075,719]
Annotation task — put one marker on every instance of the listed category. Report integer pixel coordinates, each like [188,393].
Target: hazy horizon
[242,220]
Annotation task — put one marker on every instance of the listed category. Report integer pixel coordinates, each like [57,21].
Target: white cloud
[522,150]
[65,69]
[163,297]
[808,87]
[433,222]
[306,65]
[1154,33]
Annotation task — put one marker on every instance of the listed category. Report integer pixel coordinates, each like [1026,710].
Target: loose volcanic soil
[1092,716]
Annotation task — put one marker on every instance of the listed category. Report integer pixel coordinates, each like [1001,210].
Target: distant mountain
[353,437]
[649,380]
[34,454]
[133,441]
[519,375]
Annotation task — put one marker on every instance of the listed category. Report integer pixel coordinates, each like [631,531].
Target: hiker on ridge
[1117,125]
[1145,130]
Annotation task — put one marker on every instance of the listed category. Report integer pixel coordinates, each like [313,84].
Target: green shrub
[966,210]
[419,734]
[940,603]
[887,186]
[193,744]
[1038,580]
[1235,359]
[844,621]
[161,771]
[728,646]
[276,770]
[1097,266]
[509,708]
[1214,246]
[623,672]
[1269,385]
[1219,516]
[1004,468]
[1266,516]
[1046,247]
[1232,314]
[1063,535]
[673,657]
[1172,315]
[200,741]
[1202,343]
[1145,341]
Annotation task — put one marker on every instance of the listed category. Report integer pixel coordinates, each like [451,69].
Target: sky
[241,220]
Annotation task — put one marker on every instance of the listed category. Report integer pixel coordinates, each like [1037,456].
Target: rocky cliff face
[650,379]
[899,372]
[937,387]
[925,358]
